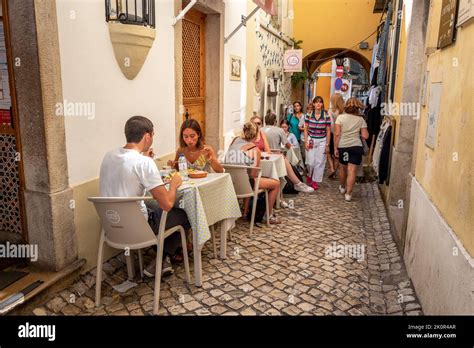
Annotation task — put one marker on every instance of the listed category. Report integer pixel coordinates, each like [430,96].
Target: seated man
[275,135]
[130,171]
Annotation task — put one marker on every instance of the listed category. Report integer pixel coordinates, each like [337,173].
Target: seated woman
[243,151]
[261,143]
[198,155]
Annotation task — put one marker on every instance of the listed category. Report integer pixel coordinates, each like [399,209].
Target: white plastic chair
[243,189]
[124,227]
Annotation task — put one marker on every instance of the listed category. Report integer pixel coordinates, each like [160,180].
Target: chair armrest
[119,199]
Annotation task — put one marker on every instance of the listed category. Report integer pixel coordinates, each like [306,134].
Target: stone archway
[315,59]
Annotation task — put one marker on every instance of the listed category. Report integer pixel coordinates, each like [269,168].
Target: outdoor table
[274,168]
[207,201]
[292,155]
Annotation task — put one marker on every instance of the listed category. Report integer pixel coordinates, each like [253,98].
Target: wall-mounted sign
[340,71]
[433,113]
[338,84]
[447,23]
[235,67]
[465,12]
[293,61]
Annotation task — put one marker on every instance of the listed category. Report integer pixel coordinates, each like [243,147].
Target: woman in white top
[337,108]
[349,129]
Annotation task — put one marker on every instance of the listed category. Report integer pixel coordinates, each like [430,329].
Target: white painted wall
[90,74]
[234,91]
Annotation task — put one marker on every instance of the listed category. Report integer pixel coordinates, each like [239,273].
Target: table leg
[223,241]
[197,261]
[280,194]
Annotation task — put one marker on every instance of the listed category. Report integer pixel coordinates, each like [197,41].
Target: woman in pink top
[261,140]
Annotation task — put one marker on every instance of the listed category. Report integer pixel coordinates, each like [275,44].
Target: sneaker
[274,221]
[301,187]
[284,204]
[308,180]
[314,185]
[342,189]
[166,268]
[347,197]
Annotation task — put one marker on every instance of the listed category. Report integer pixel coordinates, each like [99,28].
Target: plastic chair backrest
[240,179]
[123,222]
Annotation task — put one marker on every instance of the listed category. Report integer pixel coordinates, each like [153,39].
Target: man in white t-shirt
[130,171]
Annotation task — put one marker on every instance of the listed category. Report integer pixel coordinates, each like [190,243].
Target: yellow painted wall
[323,85]
[450,183]
[325,24]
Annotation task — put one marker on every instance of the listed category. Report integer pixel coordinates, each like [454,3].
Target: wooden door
[194,67]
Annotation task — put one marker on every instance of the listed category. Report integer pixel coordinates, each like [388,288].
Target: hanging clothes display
[375,61]
[384,162]
[382,51]
[379,143]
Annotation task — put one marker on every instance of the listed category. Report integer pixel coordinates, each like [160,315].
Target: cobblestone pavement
[329,257]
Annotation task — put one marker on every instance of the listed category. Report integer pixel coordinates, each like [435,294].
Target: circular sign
[339,71]
[344,87]
[293,60]
[338,84]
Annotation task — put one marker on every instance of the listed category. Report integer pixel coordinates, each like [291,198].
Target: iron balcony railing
[137,12]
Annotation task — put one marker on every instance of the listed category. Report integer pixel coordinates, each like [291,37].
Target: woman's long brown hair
[194,125]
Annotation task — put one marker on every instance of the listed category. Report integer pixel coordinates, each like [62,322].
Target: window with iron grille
[137,12]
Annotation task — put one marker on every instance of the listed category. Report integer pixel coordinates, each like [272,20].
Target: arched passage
[315,59]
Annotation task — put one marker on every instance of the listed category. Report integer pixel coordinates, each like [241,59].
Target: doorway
[12,211]
[194,69]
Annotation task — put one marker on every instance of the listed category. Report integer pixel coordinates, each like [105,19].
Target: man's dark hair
[270,119]
[136,127]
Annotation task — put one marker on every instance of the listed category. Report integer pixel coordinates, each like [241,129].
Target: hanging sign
[267,6]
[338,84]
[293,61]
[339,71]
[447,23]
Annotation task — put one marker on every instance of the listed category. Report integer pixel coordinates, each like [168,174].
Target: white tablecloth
[274,167]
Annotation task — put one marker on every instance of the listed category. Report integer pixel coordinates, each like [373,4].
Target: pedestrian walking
[317,135]
[350,128]
[336,109]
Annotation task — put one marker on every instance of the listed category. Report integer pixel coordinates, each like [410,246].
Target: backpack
[260,210]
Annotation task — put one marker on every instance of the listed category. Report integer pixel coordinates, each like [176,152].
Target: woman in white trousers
[317,136]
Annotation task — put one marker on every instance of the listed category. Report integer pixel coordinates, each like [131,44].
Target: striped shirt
[317,127]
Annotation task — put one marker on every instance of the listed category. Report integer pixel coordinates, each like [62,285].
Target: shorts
[352,155]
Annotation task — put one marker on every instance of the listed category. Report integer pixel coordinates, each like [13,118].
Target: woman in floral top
[198,155]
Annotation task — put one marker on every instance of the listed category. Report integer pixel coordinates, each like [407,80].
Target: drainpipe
[183,12]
